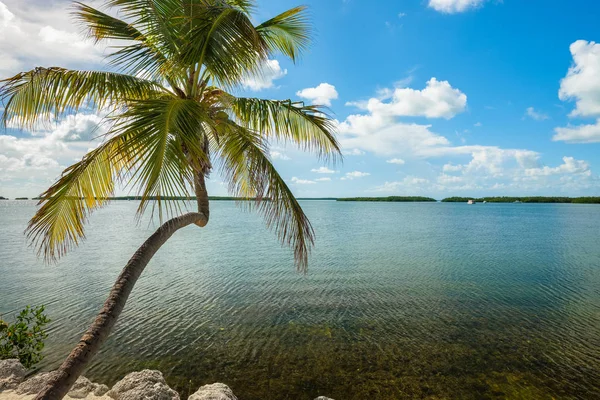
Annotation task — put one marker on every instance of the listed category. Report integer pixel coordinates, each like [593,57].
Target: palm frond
[306,126]
[225,43]
[44,93]
[57,226]
[250,173]
[169,133]
[288,32]
[101,26]
[247,6]
[155,31]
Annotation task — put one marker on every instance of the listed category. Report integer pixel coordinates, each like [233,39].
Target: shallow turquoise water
[401,301]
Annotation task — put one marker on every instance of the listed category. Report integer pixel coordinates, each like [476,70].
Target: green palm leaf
[58,224]
[250,173]
[288,32]
[45,93]
[306,126]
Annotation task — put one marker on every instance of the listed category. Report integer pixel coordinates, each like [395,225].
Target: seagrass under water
[400,301]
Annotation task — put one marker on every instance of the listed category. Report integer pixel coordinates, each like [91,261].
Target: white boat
[471,202]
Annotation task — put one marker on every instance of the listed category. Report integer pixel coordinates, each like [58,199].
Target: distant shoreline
[392,199]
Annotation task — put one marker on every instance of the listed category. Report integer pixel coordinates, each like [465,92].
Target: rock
[36,383]
[101,390]
[143,385]
[12,373]
[323,398]
[83,386]
[216,391]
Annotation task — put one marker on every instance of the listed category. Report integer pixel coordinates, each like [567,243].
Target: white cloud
[397,161]
[569,166]
[409,185]
[385,137]
[355,175]
[302,181]
[578,134]
[42,34]
[438,100]
[320,95]
[270,72]
[401,15]
[32,163]
[353,152]
[323,179]
[323,170]
[454,6]
[478,124]
[452,168]
[538,116]
[278,155]
[510,172]
[582,82]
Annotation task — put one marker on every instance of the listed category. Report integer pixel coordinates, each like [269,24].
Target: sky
[430,97]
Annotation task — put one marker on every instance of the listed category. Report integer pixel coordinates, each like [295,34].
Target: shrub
[24,339]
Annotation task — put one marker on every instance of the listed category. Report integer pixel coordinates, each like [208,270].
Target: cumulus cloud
[353,152]
[397,161]
[278,155]
[383,136]
[323,170]
[409,185]
[582,82]
[537,115]
[437,100]
[39,159]
[270,72]
[355,175]
[302,181]
[494,169]
[454,6]
[569,166]
[589,133]
[42,34]
[509,172]
[320,95]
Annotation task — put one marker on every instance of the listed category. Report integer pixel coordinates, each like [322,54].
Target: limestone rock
[215,391]
[83,386]
[143,385]
[12,373]
[36,383]
[101,390]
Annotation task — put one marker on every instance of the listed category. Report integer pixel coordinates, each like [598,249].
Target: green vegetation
[24,339]
[529,199]
[3,198]
[389,199]
[21,198]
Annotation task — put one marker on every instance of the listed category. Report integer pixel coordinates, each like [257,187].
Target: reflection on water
[401,301]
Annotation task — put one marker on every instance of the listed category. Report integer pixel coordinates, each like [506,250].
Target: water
[401,301]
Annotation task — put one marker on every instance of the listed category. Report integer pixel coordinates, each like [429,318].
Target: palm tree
[171,119]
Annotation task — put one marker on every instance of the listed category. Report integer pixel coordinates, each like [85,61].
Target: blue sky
[431,97]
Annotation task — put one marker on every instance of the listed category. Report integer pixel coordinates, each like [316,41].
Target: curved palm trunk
[91,341]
